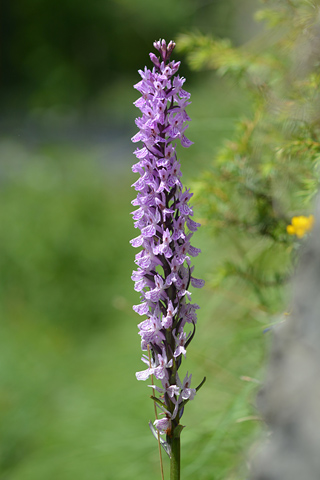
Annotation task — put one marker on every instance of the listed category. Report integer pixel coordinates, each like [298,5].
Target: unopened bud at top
[170,47]
[165,51]
[155,60]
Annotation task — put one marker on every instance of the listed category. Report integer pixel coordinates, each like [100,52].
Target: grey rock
[289,401]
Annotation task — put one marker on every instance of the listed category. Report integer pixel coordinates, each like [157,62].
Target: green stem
[175,459]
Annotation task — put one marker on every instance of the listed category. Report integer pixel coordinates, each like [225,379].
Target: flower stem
[175,459]
[156,415]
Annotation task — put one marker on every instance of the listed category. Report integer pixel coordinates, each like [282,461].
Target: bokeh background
[70,405]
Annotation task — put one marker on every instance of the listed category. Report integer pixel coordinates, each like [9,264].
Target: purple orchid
[163,216]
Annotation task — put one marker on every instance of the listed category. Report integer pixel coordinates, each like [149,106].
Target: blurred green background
[70,405]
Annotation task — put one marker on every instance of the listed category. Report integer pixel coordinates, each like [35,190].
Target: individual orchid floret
[163,217]
[170,390]
[163,366]
[168,320]
[163,425]
[151,330]
[180,344]
[187,393]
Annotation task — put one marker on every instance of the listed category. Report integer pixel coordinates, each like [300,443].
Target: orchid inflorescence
[163,216]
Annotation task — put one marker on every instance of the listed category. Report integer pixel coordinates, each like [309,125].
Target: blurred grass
[70,405]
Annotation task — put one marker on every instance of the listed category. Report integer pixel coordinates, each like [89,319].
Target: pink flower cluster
[164,218]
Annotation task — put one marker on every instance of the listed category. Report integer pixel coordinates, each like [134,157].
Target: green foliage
[65,53]
[55,223]
[204,52]
[269,171]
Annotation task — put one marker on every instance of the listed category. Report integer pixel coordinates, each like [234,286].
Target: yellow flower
[300,225]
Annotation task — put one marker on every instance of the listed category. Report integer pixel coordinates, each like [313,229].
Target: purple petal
[148,231]
[137,242]
[192,225]
[140,102]
[153,295]
[137,137]
[197,282]
[185,209]
[141,153]
[137,214]
[144,374]
[185,142]
[194,251]
[141,309]
[138,286]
